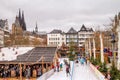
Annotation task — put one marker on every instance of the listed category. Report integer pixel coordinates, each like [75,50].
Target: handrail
[72,71]
[97,72]
[46,75]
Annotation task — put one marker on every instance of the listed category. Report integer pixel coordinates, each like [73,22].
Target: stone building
[56,38]
[83,34]
[72,36]
[4,32]
[18,29]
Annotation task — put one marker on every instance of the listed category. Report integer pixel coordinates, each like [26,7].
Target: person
[39,71]
[61,67]
[108,76]
[58,65]
[67,70]
[77,61]
[86,60]
[53,67]
[82,61]
[65,62]
[57,68]
[17,72]
[28,72]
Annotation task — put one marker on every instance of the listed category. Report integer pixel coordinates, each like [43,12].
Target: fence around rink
[46,75]
[72,70]
[97,72]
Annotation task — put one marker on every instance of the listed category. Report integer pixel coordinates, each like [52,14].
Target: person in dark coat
[67,70]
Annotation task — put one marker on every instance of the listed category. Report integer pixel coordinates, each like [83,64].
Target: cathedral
[22,20]
[18,28]
[19,25]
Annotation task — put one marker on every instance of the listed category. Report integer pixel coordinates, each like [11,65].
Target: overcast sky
[60,14]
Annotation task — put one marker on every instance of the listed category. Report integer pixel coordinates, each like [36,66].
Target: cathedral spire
[20,16]
[119,15]
[23,16]
[23,22]
[36,28]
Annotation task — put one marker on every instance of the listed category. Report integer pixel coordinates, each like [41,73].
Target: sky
[61,14]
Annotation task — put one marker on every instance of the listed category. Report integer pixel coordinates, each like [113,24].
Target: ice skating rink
[83,72]
[80,72]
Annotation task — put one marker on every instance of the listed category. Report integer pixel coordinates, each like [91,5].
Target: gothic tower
[19,15]
[22,20]
[36,28]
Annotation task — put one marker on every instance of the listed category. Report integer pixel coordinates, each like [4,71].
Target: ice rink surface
[83,72]
[80,72]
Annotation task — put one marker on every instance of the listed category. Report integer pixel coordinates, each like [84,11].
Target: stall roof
[36,55]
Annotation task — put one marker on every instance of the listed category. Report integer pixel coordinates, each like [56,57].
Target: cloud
[60,14]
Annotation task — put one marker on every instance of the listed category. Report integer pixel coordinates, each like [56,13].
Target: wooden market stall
[38,58]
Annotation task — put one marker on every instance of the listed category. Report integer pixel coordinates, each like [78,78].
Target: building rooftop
[56,31]
[72,30]
[84,29]
[35,55]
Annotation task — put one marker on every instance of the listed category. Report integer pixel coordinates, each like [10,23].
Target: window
[67,36]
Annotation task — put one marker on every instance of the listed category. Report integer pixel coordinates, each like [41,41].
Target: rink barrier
[97,72]
[72,69]
[46,75]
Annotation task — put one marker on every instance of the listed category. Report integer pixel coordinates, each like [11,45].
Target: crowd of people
[7,71]
[58,67]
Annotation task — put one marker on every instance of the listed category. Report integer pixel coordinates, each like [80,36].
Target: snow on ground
[10,54]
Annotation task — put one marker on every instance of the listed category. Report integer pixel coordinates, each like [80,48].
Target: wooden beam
[20,71]
[30,63]
[42,64]
[46,67]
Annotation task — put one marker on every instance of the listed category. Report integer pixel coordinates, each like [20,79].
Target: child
[61,67]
